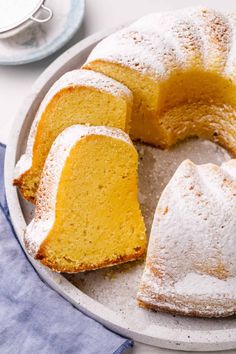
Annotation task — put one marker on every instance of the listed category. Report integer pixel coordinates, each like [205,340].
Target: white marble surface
[16,82]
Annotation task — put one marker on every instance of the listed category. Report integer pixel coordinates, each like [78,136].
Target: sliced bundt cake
[78,97]
[191,261]
[180,66]
[87,212]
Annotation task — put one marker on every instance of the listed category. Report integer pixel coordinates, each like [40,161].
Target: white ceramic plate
[109,295]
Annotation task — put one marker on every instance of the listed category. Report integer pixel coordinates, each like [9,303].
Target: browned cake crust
[163,305]
[83,268]
[18,182]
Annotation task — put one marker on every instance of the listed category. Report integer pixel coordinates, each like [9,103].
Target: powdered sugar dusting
[192,249]
[159,43]
[230,66]
[198,284]
[89,78]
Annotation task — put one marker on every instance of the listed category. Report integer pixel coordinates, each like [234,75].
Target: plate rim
[167,338]
[52,48]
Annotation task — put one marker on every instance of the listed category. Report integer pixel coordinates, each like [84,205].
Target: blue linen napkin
[33,317]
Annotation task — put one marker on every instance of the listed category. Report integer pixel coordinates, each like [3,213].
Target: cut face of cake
[78,97]
[87,211]
[191,261]
[180,66]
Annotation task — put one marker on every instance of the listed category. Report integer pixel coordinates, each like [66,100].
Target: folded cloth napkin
[33,317]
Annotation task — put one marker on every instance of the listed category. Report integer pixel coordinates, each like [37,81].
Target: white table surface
[15,82]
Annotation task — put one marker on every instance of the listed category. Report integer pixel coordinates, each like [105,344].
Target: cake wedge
[87,212]
[191,261]
[78,97]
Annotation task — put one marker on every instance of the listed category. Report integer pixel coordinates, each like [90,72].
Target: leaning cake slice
[87,212]
[191,262]
[78,97]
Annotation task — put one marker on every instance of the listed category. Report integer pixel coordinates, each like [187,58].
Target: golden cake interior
[72,105]
[97,217]
[190,102]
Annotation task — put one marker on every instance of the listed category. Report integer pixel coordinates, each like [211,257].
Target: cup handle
[46,19]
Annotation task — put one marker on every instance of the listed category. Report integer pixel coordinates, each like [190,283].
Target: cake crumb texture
[87,212]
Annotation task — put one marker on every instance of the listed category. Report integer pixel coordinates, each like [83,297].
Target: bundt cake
[166,77]
[78,97]
[191,261]
[181,68]
[87,212]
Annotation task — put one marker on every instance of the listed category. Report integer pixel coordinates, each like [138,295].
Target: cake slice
[78,97]
[191,261]
[87,212]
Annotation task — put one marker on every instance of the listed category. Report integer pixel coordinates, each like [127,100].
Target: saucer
[40,40]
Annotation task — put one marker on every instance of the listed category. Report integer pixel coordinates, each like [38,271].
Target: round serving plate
[108,295]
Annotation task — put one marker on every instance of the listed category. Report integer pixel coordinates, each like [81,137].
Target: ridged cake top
[192,249]
[43,220]
[159,43]
[88,78]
